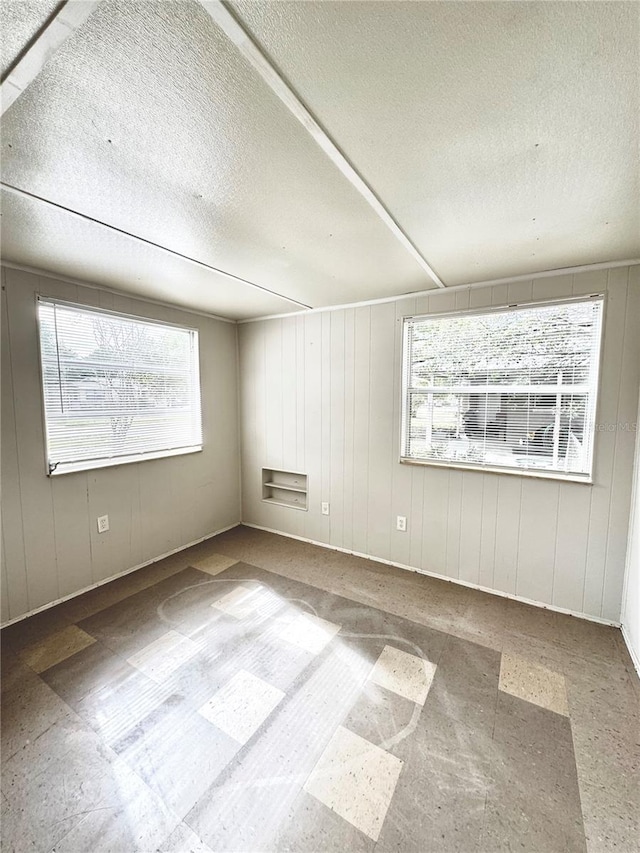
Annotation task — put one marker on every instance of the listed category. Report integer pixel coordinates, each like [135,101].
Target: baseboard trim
[457,581]
[635,660]
[119,575]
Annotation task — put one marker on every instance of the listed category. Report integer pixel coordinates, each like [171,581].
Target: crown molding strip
[32,197]
[606,265]
[62,24]
[236,33]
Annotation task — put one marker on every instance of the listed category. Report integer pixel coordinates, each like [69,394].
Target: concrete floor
[259,693]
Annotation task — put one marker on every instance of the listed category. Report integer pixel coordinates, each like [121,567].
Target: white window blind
[116,388]
[512,389]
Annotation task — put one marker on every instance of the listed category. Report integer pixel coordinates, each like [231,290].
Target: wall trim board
[437,576]
[114,290]
[381,301]
[635,660]
[119,575]
[476,285]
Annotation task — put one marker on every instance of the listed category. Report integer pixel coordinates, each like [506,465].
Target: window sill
[538,474]
[94,464]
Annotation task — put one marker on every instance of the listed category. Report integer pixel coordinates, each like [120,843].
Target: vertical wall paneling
[402,497]
[499,294]
[35,487]
[626,280]
[249,467]
[607,413]
[313,525]
[267,513]
[558,543]
[326,426]
[337,423]
[480,297]
[630,610]
[507,533]
[273,424]
[4,587]
[488,530]
[548,288]
[574,508]
[435,518]
[289,390]
[14,562]
[453,528]
[379,467]
[586,283]
[519,291]
[471,526]
[361,425]
[71,512]
[51,545]
[298,322]
[537,540]
[348,485]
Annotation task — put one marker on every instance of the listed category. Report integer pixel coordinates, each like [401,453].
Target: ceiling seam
[475,285]
[127,294]
[262,64]
[35,55]
[32,196]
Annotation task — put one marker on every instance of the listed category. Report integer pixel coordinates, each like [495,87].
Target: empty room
[320,396]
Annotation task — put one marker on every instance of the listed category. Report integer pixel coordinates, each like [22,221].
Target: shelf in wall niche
[284,488]
[287,488]
[290,504]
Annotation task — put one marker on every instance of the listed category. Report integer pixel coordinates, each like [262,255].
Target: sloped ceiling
[501,137]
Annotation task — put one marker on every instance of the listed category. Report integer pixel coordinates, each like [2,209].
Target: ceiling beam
[16,191]
[229,24]
[62,24]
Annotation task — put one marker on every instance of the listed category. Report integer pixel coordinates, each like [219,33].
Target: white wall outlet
[325,508]
[401,522]
[103,523]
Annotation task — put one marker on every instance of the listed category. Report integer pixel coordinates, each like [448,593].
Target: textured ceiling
[150,120]
[19,23]
[48,239]
[502,137]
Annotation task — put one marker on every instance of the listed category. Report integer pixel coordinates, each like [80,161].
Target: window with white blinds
[116,388]
[512,389]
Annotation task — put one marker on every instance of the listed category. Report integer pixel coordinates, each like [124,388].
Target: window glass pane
[115,386]
[527,346]
[513,389]
[499,430]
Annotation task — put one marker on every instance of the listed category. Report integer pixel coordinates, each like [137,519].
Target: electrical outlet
[401,522]
[325,508]
[103,523]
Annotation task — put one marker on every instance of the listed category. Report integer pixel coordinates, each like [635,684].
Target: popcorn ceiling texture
[500,136]
[183,144]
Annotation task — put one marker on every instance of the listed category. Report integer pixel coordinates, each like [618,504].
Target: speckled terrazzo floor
[258,693]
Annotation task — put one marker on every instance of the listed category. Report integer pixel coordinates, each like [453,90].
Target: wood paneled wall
[631,593]
[320,394]
[50,544]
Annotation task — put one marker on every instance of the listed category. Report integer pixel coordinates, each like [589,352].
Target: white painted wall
[630,617]
[50,544]
[321,394]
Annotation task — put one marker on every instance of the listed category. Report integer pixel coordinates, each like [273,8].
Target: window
[512,389]
[116,388]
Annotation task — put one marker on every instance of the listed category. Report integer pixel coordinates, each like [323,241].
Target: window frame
[539,473]
[109,462]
